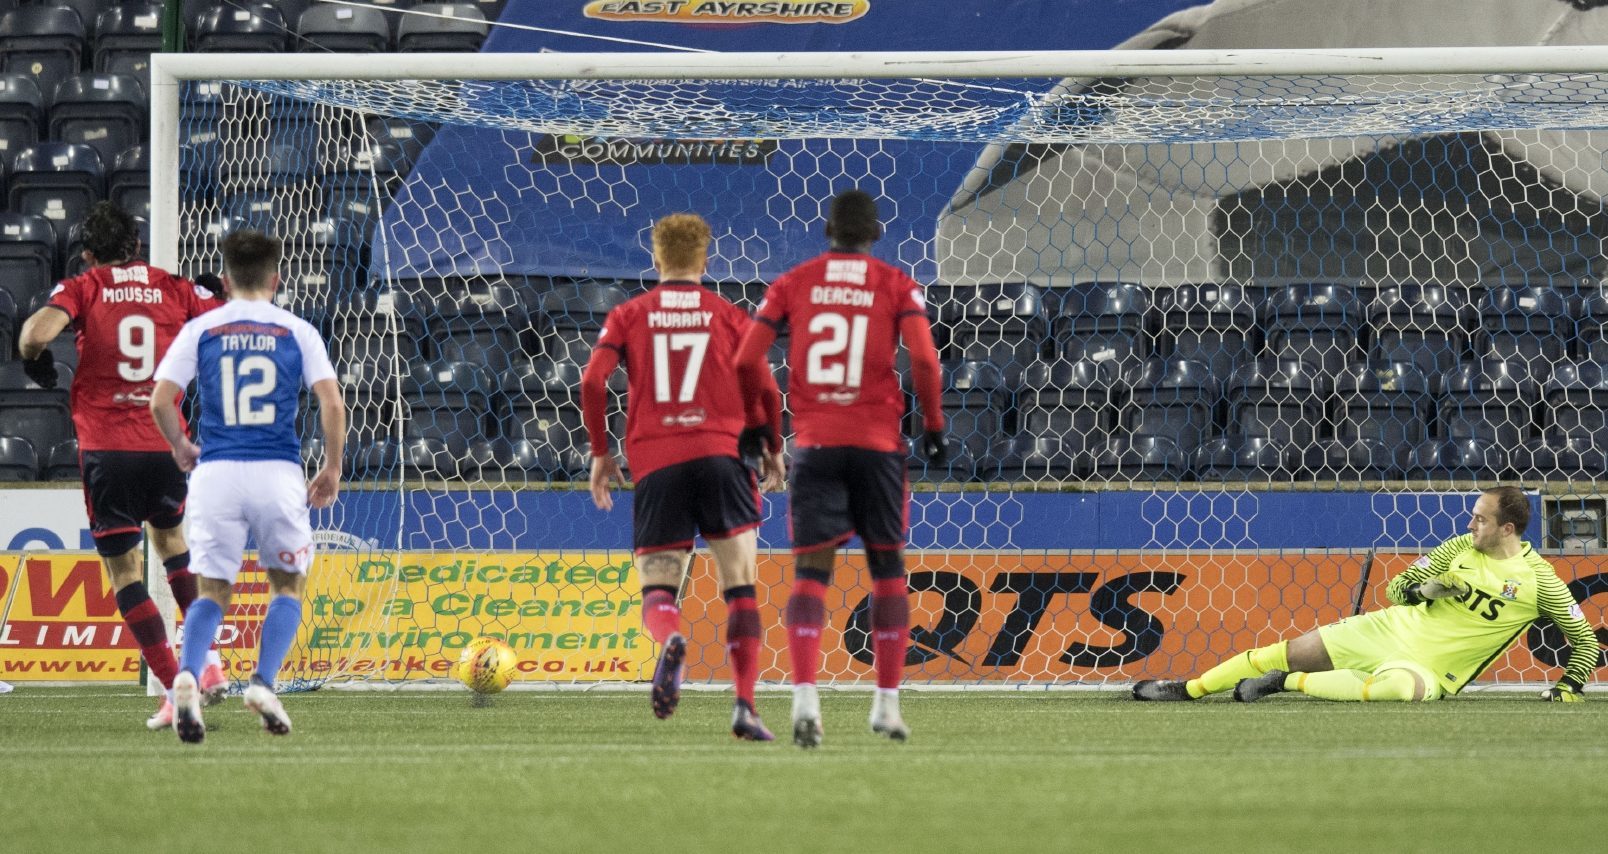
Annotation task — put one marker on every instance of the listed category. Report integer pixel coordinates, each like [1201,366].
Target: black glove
[41,369]
[751,442]
[210,283]
[934,448]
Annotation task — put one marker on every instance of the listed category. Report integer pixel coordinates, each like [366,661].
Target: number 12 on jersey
[696,343]
[240,405]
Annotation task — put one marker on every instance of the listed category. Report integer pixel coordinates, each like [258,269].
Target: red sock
[181,580]
[806,615]
[661,616]
[145,623]
[890,629]
[743,637]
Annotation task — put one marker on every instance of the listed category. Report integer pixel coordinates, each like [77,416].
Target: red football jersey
[678,343]
[123,320]
[842,311]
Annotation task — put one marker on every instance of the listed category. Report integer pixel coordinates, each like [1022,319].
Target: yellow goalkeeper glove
[1563,692]
[1446,586]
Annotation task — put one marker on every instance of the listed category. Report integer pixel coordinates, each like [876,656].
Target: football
[487,665]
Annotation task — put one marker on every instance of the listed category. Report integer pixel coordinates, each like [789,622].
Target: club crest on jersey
[686,418]
[1510,589]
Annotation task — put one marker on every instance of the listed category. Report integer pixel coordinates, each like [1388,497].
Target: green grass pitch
[559,772]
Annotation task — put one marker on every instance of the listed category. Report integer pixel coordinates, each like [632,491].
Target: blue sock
[200,627]
[279,627]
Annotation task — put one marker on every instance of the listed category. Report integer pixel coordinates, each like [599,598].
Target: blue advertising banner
[536,204]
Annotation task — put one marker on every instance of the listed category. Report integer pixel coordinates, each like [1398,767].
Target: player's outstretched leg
[1161,690]
[667,677]
[187,721]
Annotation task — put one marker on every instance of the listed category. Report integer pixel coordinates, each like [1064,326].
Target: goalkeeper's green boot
[1251,690]
[1161,690]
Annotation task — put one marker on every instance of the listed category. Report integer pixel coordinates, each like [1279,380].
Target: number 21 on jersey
[823,367]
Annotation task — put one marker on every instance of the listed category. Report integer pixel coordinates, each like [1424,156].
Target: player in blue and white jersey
[249,359]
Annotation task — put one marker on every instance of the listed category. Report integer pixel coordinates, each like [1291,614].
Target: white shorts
[232,498]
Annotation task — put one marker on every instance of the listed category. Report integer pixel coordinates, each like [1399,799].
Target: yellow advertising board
[62,623]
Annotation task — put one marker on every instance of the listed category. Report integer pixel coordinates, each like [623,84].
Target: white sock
[885,703]
[806,702]
[214,658]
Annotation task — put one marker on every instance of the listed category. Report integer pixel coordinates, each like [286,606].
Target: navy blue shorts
[842,491]
[717,497]
[125,489]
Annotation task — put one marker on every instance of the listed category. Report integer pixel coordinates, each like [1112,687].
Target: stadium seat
[1426,325]
[375,339]
[18,462]
[1553,456]
[450,27]
[1103,322]
[1069,402]
[1458,459]
[543,406]
[1576,398]
[106,112]
[58,181]
[449,401]
[336,248]
[22,115]
[39,415]
[430,459]
[27,257]
[511,461]
[1142,458]
[1353,459]
[1237,457]
[125,37]
[62,463]
[1591,326]
[410,136]
[351,29]
[1175,398]
[572,314]
[1318,323]
[1531,325]
[1279,399]
[374,170]
[229,28]
[974,401]
[481,326]
[1210,323]
[89,12]
[1002,323]
[1384,403]
[1039,458]
[9,322]
[377,459]
[43,42]
[1490,400]
[129,184]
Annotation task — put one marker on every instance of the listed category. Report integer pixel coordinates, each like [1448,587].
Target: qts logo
[730,11]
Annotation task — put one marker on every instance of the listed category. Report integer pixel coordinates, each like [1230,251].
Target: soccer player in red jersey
[684,415]
[847,313]
[124,314]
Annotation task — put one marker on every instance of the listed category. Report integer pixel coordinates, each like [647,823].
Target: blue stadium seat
[543,407]
[1458,459]
[125,37]
[1175,398]
[22,115]
[1591,326]
[1140,458]
[572,312]
[39,415]
[129,184]
[229,28]
[1385,403]
[18,462]
[378,334]
[377,459]
[1236,457]
[1318,323]
[1004,324]
[27,257]
[449,401]
[106,112]
[1069,402]
[1103,322]
[1426,325]
[1210,323]
[974,401]
[1576,397]
[1354,459]
[1551,457]
[348,29]
[513,461]
[430,459]
[1490,400]
[1038,458]
[480,325]
[1280,399]
[58,181]
[1531,325]
[451,27]
[62,462]
[43,42]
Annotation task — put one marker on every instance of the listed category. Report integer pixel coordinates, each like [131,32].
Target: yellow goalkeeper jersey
[1459,638]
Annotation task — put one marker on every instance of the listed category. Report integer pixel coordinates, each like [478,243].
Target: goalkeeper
[1453,612]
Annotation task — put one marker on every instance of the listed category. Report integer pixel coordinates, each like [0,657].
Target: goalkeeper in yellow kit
[1454,611]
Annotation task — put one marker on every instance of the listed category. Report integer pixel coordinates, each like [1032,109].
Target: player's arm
[173,373]
[1555,603]
[326,484]
[915,330]
[1409,587]
[594,415]
[762,399]
[41,328]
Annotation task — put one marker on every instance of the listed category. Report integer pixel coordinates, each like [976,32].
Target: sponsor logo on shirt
[124,275]
[680,299]
[851,270]
[841,396]
[686,418]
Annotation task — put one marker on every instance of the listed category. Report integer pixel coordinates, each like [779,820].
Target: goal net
[1229,338]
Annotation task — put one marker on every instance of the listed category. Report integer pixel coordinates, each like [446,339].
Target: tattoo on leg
[663,568]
